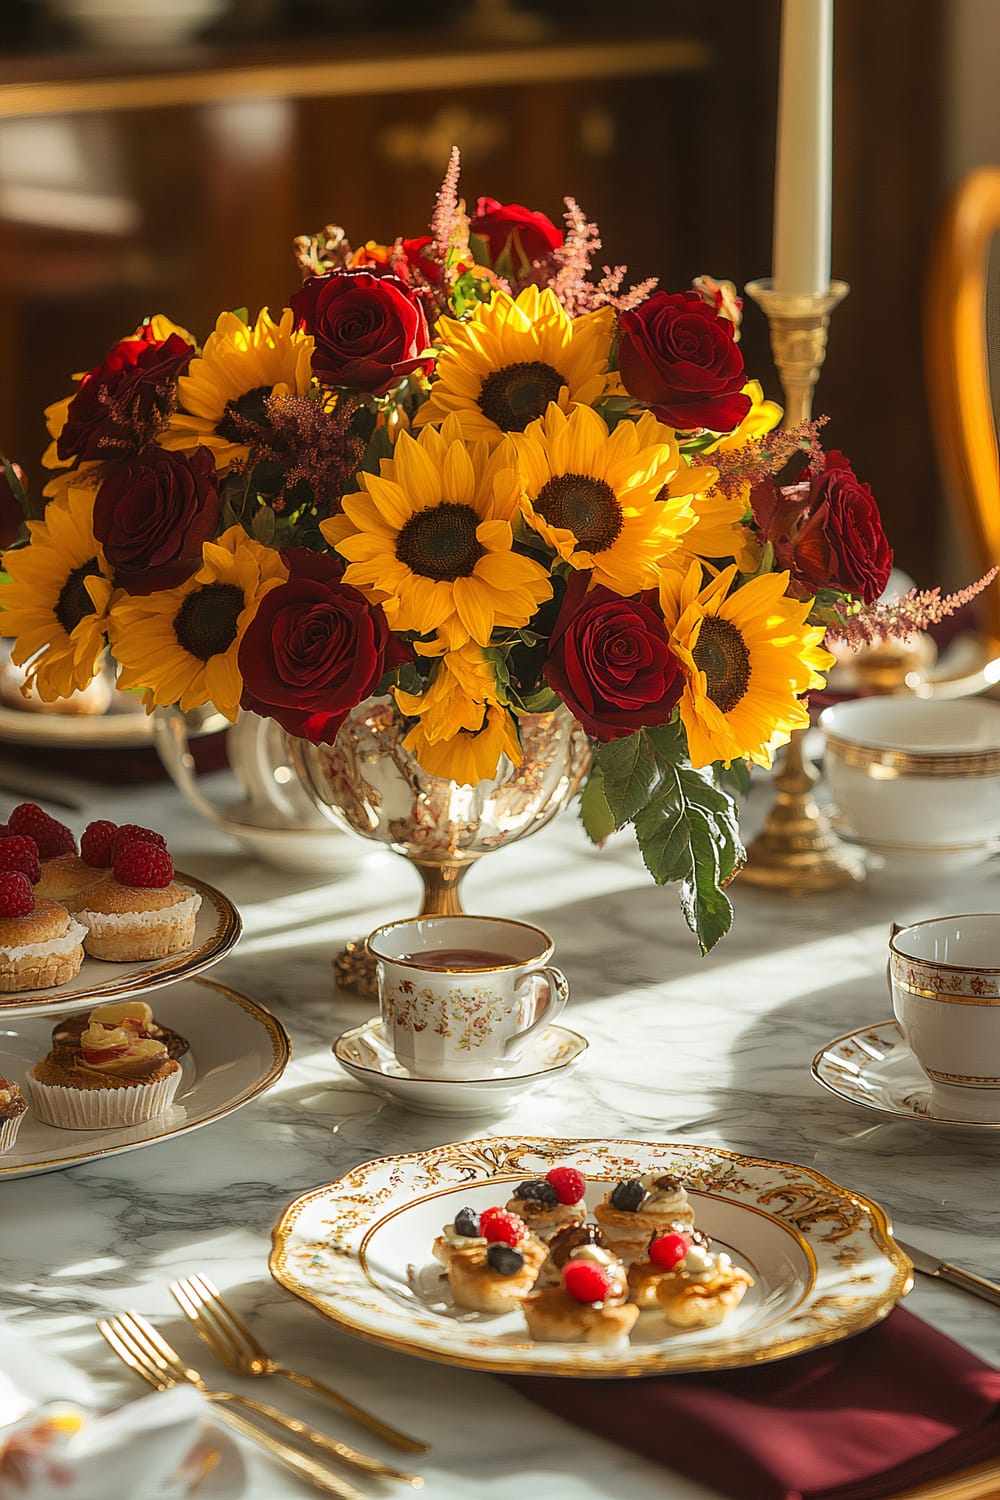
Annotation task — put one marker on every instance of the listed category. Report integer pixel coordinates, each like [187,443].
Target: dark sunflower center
[585,506]
[74,602]
[244,418]
[441,542]
[516,394]
[205,624]
[722,654]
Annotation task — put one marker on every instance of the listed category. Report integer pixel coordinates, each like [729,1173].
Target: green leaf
[542,701]
[735,777]
[379,447]
[265,524]
[595,814]
[632,770]
[243,313]
[17,488]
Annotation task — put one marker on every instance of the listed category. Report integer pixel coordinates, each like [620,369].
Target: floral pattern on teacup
[933,982]
[466,1016]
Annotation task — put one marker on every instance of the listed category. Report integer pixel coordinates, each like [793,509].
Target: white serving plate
[238,1050]
[217,928]
[359,1251]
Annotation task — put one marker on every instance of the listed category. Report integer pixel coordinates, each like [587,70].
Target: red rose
[370,330]
[152,514]
[415,255]
[525,235]
[827,531]
[315,649]
[121,405]
[609,661]
[679,358]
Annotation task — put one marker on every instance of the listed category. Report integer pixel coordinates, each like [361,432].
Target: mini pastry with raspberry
[494,1278]
[66,1033]
[589,1307]
[138,910]
[62,872]
[12,1112]
[701,1289]
[547,1203]
[117,1075]
[570,1243]
[462,1234]
[664,1254]
[40,943]
[640,1207]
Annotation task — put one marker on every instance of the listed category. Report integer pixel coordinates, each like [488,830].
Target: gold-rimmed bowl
[913,778]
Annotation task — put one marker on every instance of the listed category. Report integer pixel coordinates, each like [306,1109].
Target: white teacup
[945,976]
[460,995]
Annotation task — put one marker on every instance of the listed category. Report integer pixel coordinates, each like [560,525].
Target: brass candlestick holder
[797,851]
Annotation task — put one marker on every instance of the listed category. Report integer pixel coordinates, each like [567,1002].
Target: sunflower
[223,395]
[430,539]
[746,656]
[181,644]
[56,603]
[499,369]
[611,502]
[461,730]
[719,530]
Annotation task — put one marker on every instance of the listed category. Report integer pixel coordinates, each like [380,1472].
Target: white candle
[804,172]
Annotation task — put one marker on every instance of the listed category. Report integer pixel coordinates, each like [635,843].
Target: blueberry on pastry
[494,1278]
[462,1234]
[547,1203]
[641,1206]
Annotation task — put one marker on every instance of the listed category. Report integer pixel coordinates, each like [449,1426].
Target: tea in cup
[945,977]
[460,996]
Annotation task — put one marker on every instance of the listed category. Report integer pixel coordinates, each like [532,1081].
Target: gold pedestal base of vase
[797,851]
[354,967]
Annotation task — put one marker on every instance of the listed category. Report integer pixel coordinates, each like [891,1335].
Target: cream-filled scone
[493,1278]
[460,1235]
[641,1206]
[547,1204]
[138,911]
[117,1075]
[41,944]
[663,1254]
[701,1289]
[590,1306]
[12,1112]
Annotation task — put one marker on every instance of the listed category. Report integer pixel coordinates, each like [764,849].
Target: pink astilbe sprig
[761,458]
[569,267]
[901,617]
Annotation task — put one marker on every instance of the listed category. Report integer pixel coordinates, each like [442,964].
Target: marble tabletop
[714,1050]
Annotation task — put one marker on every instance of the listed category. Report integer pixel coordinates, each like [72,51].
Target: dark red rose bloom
[152,514]
[827,531]
[11,514]
[121,405]
[528,236]
[609,661]
[315,649]
[678,357]
[370,330]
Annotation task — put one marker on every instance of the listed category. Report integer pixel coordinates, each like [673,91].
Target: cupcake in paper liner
[118,1074]
[12,1112]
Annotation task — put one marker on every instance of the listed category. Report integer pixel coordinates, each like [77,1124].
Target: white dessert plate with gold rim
[217,928]
[359,1251]
[364,1052]
[874,1068]
[238,1050]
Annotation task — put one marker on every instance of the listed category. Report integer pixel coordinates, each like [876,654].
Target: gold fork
[232,1343]
[151,1356]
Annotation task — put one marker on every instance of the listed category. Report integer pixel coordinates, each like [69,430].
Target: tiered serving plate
[359,1251]
[238,1051]
[217,929]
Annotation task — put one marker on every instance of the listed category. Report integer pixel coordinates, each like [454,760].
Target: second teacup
[459,996]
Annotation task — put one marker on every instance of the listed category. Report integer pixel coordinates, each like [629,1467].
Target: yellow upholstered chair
[962,353]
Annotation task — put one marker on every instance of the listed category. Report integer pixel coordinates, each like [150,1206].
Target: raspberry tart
[12,1111]
[63,873]
[117,1075]
[547,1204]
[590,1305]
[462,1234]
[641,1206]
[40,942]
[494,1278]
[701,1289]
[664,1254]
[137,910]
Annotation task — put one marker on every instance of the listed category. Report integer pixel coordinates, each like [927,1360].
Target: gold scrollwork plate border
[486,1158]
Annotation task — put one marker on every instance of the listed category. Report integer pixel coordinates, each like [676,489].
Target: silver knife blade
[967,1281]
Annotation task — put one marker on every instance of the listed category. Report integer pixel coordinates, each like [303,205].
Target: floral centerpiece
[463,470]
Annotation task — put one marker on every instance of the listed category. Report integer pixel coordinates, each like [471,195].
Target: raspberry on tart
[137,910]
[701,1289]
[51,836]
[589,1306]
[96,843]
[40,943]
[19,853]
[494,1274]
[548,1203]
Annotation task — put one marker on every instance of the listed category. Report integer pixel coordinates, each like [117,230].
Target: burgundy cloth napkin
[891,1408]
